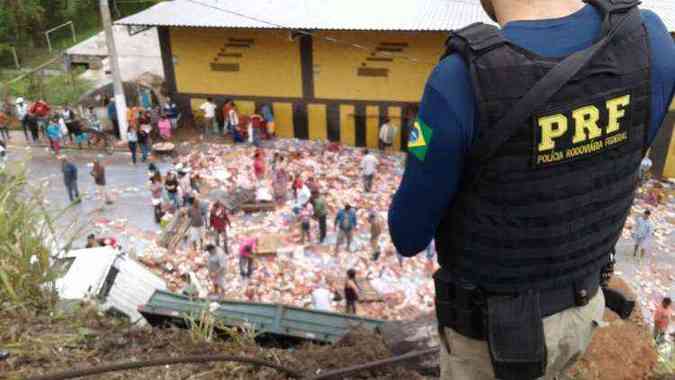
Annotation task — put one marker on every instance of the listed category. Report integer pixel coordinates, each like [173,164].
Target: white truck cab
[117,282]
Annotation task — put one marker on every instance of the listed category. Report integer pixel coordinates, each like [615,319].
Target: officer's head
[489,8]
[666,302]
[647,214]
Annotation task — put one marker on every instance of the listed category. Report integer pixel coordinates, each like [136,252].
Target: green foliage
[57,90]
[23,22]
[25,229]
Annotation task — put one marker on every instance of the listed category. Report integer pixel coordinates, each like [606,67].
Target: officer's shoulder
[652,20]
[450,75]
[660,38]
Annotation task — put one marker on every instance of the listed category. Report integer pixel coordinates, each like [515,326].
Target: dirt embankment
[622,350]
[42,344]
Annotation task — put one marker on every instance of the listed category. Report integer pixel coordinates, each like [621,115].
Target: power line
[329,39]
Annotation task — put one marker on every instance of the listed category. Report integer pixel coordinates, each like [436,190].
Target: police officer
[522,165]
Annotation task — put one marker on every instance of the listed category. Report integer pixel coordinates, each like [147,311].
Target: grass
[666,366]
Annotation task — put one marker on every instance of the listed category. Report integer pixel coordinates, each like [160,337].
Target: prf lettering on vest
[582,131]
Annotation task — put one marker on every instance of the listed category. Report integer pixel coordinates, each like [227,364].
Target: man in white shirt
[368,168]
[304,195]
[387,135]
[22,115]
[642,232]
[209,109]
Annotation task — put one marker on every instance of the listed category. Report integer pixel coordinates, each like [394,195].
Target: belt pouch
[516,337]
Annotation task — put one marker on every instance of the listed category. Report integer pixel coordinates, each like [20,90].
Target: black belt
[461,307]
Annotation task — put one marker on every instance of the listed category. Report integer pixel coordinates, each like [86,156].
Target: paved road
[127,182]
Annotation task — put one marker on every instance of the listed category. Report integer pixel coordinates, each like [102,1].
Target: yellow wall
[245,107]
[347,125]
[395,116]
[317,121]
[283,119]
[269,67]
[372,126]
[336,65]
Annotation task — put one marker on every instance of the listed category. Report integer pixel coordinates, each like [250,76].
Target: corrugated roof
[405,15]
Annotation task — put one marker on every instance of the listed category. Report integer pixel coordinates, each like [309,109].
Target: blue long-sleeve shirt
[69,173]
[448,108]
[342,214]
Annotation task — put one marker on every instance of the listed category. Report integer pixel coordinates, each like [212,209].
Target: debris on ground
[45,343]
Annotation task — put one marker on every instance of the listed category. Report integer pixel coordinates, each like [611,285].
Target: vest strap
[613,6]
[611,9]
[475,38]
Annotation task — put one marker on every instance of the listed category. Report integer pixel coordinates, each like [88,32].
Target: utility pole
[120,100]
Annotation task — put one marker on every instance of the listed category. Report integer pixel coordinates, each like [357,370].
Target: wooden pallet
[258,207]
[268,245]
[175,232]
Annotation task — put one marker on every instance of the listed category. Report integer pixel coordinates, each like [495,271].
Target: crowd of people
[43,123]
[58,125]
[178,191]
[227,120]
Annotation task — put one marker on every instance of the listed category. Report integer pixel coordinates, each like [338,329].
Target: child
[662,316]
[54,135]
[351,292]
[216,265]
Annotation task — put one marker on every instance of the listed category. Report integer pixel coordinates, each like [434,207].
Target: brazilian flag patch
[419,139]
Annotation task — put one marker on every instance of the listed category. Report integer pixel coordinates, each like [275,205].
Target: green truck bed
[164,307]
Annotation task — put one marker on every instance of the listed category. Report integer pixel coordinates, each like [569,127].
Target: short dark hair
[666,302]
[348,207]
[648,213]
[209,99]
[211,248]
[351,274]
[366,151]
[91,236]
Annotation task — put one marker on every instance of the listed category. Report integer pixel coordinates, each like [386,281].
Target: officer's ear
[489,9]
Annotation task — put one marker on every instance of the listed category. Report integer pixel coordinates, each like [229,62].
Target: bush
[26,271]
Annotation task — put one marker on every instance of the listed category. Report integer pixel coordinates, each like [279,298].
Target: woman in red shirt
[220,221]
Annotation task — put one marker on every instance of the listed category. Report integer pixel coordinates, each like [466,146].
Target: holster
[515,335]
[512,325]
[618,303]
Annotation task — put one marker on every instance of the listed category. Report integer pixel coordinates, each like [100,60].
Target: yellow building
[336,71]
[331,69]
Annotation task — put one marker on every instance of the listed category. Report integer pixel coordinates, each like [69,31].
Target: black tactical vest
[545,210]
